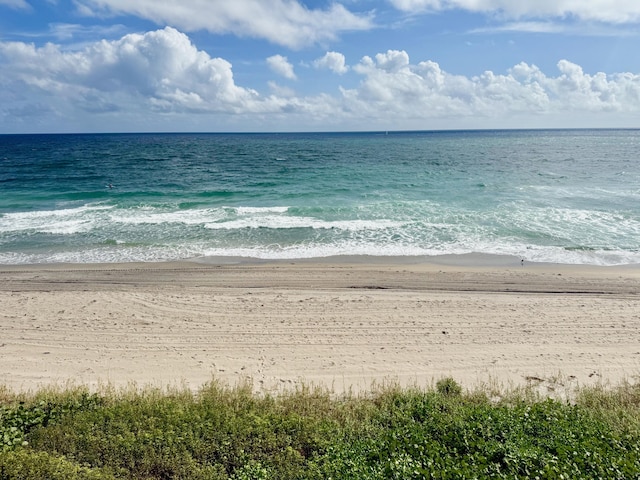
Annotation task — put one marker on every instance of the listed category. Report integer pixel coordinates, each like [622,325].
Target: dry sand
[341,323]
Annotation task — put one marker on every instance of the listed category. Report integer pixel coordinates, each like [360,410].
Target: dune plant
[228,433]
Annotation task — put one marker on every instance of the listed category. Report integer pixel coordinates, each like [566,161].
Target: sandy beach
[341,323]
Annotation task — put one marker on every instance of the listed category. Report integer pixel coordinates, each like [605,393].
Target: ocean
[562,196]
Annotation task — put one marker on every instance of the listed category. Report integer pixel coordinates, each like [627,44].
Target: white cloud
[159,80]
[394,88]
[392,61]
[528,27]
[161,69]
[69,31]
[333,61]
[281,66]
[283,22]
[281,91]
[566,28]
[610,11]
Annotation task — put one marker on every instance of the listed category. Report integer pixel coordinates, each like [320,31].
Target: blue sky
[292,65]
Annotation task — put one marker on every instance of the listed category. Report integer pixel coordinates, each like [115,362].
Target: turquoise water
[567,196]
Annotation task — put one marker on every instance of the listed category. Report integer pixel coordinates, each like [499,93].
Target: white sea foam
[155,216]
[64,221]
[160,215]
[232,218]
[259,210]
[124,253]
[440,233]
[581,227]
[285,222]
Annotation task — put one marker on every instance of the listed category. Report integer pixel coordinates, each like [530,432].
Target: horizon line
[320,132]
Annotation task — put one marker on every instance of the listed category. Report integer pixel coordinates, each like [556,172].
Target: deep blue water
[568,196]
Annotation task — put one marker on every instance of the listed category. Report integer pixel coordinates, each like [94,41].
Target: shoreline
[467,259]
[344,323]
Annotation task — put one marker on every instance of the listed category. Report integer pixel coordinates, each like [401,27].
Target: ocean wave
[116,252]
[165,232]
[154,216]
[514,194]
[259,210]
[285,223]
[63,221]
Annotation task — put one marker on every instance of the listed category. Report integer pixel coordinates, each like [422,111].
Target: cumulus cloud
[333,61]
[162,68]
[392,61]
[281,66]
[393,86]
[283,22]
[611,11]
[161,75]
[281,91]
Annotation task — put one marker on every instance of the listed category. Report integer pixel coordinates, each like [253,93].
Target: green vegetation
[393,433]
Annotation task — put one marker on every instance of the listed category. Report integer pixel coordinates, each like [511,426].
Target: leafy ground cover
[390,433]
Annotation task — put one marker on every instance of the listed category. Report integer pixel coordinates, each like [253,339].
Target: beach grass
[389,432]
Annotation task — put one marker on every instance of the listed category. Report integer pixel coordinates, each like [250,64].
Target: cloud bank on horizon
[291,65]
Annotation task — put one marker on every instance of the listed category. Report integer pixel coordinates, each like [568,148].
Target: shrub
[448,386]
[19,419]
[23,464]
[232,434]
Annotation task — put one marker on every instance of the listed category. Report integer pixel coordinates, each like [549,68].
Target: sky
[292,65]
